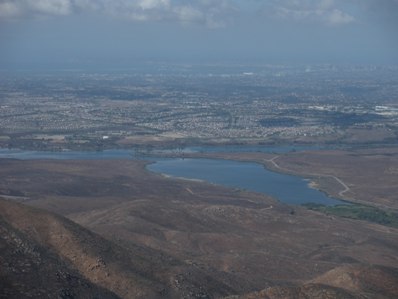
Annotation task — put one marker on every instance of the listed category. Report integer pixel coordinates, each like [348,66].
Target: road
[341,193]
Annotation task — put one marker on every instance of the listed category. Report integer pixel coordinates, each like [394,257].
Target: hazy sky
[118,33]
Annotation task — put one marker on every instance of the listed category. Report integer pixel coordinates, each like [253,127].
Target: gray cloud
[21,8]
[212,13]
[329,12]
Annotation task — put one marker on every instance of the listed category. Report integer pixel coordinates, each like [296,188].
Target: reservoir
[65,155]
[129,153]
[245,175]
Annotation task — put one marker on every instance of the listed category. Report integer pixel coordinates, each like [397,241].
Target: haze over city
[120,34]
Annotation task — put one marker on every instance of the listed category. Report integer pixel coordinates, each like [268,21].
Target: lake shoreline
[225,172]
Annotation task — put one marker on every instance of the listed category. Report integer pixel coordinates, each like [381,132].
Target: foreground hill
[345,282]
[147,236]
[29,266]
[47,256]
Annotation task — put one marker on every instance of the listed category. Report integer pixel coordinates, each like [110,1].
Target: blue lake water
[66,155]
[253,148]
[244,175]
[129,153]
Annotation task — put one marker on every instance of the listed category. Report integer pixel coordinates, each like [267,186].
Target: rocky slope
[44,255]
[345,282]
[130,233]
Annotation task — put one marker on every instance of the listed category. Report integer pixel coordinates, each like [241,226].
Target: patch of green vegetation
[360,212]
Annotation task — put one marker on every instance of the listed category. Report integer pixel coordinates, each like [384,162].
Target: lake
[137,153]
[245,175]
[66,155]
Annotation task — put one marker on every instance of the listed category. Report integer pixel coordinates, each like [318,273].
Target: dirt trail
[341,193]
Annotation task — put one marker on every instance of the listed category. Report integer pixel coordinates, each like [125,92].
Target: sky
[120,33]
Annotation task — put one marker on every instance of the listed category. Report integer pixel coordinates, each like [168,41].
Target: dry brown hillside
[345,282]
[44,255]
[29,268]
[141,235]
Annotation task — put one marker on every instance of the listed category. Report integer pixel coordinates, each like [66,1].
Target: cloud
[329,12]
[23,8]
[9,10]
[151,4]
[212,13]
[51,7]
[188,13]
[337,17]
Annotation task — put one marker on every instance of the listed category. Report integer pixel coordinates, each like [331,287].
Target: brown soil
[180,238]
